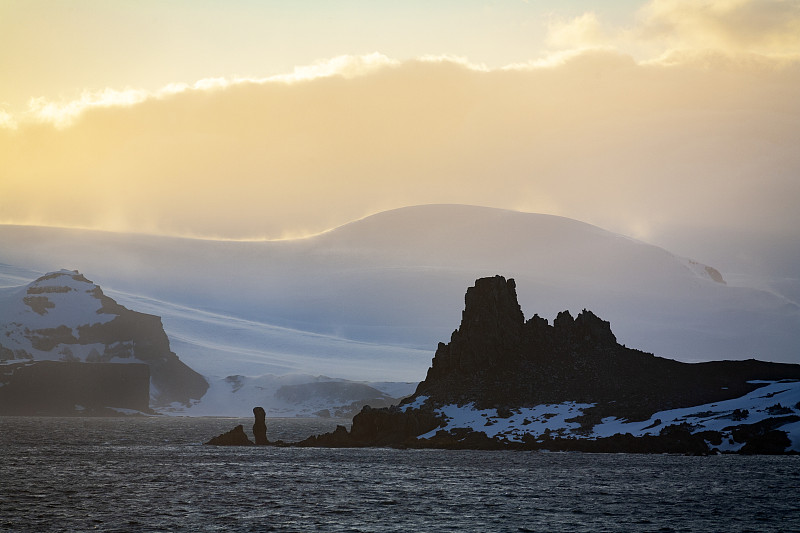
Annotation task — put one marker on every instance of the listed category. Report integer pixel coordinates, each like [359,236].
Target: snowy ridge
[773,399]
[58,303]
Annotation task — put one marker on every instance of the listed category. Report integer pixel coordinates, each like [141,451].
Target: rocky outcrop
[378,427]
[260,426]
[234,437]
[500,367]
[496,358]
[237,436]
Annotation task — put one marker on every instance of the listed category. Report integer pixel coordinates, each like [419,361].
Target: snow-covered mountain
[62,316]
[370,300]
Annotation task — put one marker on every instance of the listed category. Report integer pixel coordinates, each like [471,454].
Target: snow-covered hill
[63,316]
[370,300]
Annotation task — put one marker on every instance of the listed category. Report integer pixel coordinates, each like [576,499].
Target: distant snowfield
[772,399]
[237,395]
[370,300]
[218,345]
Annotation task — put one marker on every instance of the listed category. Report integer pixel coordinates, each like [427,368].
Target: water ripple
[55,477]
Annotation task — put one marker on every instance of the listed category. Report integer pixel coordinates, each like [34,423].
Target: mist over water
[152,474]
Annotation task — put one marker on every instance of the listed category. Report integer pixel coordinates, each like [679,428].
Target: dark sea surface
[153,474]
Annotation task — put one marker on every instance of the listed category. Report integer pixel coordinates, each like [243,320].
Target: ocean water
[153,474]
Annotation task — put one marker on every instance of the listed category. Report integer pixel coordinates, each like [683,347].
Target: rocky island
[503,382]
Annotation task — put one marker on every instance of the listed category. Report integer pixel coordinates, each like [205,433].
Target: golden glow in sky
[274,119]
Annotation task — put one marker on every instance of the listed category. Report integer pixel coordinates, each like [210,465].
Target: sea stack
[260,426]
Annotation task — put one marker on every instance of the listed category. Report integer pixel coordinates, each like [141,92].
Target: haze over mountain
[369,300]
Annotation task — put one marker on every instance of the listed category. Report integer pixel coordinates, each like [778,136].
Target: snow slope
[219,345]
[61,299]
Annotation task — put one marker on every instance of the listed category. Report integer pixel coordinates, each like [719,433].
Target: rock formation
[237,436]
[530,374]
[234,437]
[496,358]
[260,426]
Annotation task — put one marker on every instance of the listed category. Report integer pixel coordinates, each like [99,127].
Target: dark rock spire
[260,426]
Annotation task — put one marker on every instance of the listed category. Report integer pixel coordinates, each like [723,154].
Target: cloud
[63,113]
[7,120]
[584,31]
[683,30]
[758,26]
[597,137]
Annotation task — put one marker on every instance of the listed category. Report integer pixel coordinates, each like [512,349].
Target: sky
[673,121]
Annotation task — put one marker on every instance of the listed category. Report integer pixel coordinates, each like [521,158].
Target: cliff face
[64,317]
[503,381]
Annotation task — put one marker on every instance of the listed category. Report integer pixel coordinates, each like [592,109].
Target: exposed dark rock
[762,437]
[379,427]
[260,426]
[714,274]
[771,442]
[40,304]
[234,437]
[338,438]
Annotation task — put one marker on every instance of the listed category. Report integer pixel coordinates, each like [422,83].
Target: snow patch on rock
[773,399]
[555,419]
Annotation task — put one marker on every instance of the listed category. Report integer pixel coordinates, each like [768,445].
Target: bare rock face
[260,426]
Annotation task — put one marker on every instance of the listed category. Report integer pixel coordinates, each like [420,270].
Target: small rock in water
[234,437]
